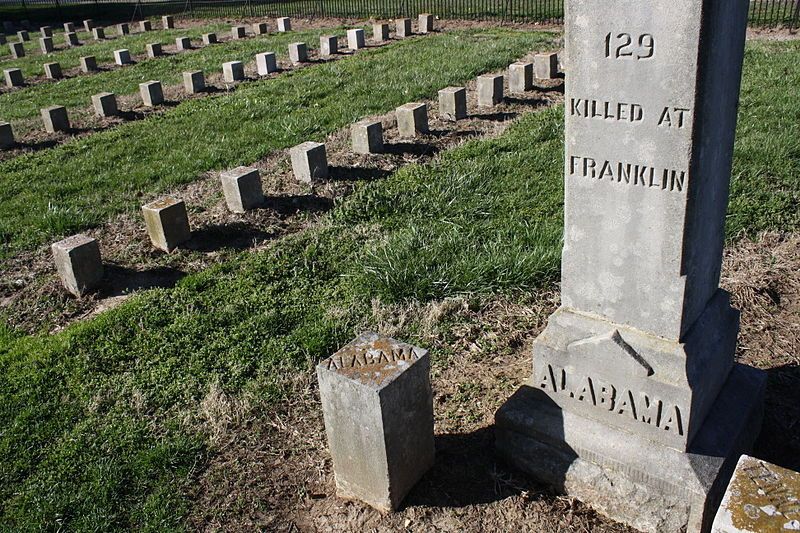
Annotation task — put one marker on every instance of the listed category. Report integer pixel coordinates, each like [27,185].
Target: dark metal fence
[762,12]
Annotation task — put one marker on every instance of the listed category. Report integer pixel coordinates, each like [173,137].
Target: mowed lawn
[22,107]
[82,183]
[102,424]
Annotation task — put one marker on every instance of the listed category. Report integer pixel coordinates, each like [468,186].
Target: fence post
[795,17]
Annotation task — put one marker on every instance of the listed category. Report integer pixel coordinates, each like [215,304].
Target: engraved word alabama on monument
[634,377]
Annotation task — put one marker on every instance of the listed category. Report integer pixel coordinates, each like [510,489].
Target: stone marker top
[163,202]
[73,242]
[373,360]
[760,497]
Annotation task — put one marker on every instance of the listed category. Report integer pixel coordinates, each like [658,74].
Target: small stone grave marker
[378,409]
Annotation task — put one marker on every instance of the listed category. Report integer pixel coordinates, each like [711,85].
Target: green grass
[22,107]
[765,187]
[106,173]
[102,426]
[68,57]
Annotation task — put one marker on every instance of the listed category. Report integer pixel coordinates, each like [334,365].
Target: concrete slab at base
[627,477]
[760,497]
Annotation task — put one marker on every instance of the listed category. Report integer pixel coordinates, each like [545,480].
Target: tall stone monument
[635,404]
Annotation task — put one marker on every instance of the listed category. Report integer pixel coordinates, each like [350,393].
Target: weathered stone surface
[122,57]
[183,43]
[546,66]
[168,22]
[490,90]
[298,53]
[88,64]
[88,25]
[105,104]
[99,34]
[761,498]
[6,135]
[194,81]
[78,263]
[69,27]
[52,71]
[328,45]
[380,32]
[23,36]
[309,161]
[355,39]
[520,77]
[210,38]
[266,63]
[402,28]
[425,23]
[71,39]
[123,29]
[284,24]
[145,25]
[453,103]
[233,71]
[367,137]
[412,119]
[46,44]
[242,189]
[378,409]
[17,50]
[152,93]
[238,32]
[46,31]
[13,77]
[260,28]
[167,223]
[628,477]
[154,50]
[55,118]
[643,343]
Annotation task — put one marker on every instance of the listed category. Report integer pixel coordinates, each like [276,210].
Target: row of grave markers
[47,45]
[122,57]
[78,260]
[55,118]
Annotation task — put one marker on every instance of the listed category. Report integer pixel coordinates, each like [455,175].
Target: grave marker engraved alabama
[634,377]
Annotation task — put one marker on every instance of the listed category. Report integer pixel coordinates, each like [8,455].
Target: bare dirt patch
[31,295]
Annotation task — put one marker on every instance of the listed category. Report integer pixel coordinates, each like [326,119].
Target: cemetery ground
[194,405]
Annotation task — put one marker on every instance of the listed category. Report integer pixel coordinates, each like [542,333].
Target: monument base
[629,478]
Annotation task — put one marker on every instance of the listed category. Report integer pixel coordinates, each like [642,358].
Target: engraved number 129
[621,46]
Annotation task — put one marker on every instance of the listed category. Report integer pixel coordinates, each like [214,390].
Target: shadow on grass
[119,280]
[289,205]
[410,148]
[232,236]
[356,174]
